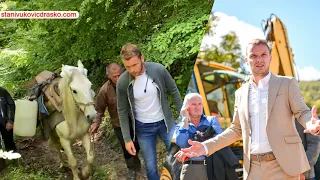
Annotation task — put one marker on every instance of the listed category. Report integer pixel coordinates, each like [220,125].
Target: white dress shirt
[258,115]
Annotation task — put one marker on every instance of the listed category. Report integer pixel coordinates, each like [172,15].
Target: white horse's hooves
[85,174]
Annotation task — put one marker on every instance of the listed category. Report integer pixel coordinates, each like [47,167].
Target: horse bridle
[81,103]
[85,105]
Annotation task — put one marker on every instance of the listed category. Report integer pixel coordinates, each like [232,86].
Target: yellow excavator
[217,84]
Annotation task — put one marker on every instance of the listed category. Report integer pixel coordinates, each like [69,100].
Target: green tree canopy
[227,52]
[310,91]
[169,32]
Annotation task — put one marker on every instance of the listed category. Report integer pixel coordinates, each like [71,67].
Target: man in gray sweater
[142,92]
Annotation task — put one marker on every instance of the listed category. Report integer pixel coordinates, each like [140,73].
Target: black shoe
[131,174]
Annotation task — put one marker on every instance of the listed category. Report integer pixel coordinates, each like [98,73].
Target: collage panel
[221,69]
[96,89]
[42,44]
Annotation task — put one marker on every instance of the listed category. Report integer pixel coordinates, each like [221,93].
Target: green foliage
[229,50]
[103,172]
[169,32]
[16,173]
[310,91]
[177,46]
[13,69]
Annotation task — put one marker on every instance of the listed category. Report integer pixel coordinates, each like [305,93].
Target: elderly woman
[195,125]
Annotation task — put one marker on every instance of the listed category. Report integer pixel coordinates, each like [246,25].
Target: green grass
[18,173]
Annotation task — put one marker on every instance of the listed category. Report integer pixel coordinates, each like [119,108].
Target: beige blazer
[285,102]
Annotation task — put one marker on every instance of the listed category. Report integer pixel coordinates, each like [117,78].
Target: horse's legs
[54,142]
[59,153]
[90,156]
[66,144]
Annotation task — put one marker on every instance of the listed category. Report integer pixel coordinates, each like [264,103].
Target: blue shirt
[182,135]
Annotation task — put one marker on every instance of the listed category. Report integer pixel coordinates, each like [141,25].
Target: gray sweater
[165,86]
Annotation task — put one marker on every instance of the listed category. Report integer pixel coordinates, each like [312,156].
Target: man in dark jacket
[311,145]
[317,169]
[7,111]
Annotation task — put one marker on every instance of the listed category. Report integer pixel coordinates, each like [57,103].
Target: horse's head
[80,88]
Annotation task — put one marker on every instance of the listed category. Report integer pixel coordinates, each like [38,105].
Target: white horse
[77,109]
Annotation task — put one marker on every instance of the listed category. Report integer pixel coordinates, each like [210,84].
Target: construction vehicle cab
[217,84]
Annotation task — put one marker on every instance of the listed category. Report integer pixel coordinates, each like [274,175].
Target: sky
[300,18]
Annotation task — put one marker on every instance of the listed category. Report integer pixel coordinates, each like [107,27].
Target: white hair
[188,97]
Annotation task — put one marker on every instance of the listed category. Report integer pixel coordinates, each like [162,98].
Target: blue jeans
[147,137]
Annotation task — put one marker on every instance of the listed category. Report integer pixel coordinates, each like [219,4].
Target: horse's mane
[70,110]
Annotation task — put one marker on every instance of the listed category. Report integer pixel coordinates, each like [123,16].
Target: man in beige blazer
[264,113]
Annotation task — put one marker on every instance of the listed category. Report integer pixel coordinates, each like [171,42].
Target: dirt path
[109,162]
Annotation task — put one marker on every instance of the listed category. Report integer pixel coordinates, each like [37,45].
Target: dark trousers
[127,156]
[317,170]
[9,144]
[7,137]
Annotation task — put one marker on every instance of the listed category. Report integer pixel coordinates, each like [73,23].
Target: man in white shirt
[264,113]
[142,93]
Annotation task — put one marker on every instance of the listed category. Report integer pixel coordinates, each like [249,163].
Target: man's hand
[313,126]
[130,148]
[195,150]
[9,126]
[184,113]
[185,117]
[94,127]
[302,177]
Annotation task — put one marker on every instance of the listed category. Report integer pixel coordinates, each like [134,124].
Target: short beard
[265,73]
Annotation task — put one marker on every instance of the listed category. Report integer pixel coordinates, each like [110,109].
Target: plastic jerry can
[25,122]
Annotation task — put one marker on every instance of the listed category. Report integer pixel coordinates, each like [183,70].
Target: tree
[229,50]
[97,35]
[310,93]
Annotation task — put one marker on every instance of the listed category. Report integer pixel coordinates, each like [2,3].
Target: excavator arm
[282,62]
